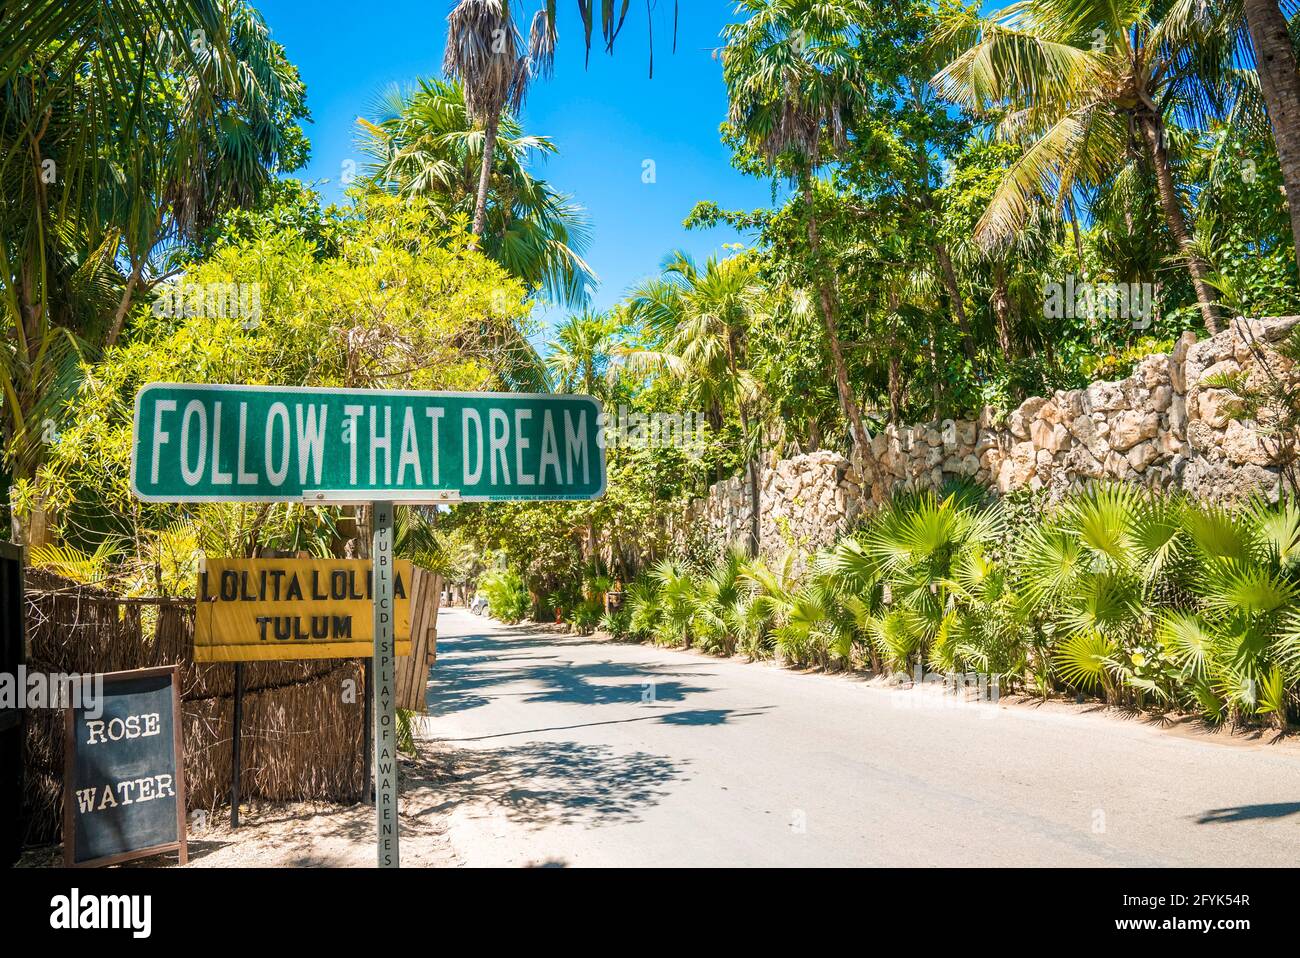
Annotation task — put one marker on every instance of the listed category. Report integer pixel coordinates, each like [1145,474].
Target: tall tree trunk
[848,405]
[124,304]
[1074,229]
[1001,303]
[954,295]
[936,384]
[814,434]
[485,174]
[895,387]
[1280,83]
[1153,129]
[751,465]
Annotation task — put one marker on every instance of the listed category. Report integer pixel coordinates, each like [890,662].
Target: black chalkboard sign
[124,771]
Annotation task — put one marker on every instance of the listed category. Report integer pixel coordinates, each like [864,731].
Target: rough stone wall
[1166,426]
[807,501]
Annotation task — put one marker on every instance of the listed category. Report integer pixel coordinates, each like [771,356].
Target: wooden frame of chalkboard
[70,767]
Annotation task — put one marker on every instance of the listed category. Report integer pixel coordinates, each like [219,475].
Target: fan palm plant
[1238,646]
[720,604]
[422,142]
[985,628]
[1088,575]
[580,352]
[676,600]
[929,552]
[808,623]
[1090,84]
[643,609]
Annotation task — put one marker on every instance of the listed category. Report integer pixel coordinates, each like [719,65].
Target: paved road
[572,751]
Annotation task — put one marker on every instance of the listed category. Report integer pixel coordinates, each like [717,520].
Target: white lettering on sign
[311,440]
[350,437]
[99,731]
[245,478]
[576,439]
[521,447]
[219,477]
[434,414]
[195,409]
[279,413]
[98,798]
[410,454]
[550,448]
[290,442]
[475,475]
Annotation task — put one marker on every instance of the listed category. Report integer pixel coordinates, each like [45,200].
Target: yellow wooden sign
[260,609]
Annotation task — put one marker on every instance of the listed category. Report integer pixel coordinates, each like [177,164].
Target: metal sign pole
[385,662]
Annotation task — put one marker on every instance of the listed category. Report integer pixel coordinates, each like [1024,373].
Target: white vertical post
[385,662]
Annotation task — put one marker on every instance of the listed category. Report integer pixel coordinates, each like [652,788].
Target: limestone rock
[1131,427]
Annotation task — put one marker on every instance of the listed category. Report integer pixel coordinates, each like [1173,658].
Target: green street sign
[204,443]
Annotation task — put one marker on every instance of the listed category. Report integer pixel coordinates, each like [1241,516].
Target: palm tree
[611,18]
[1091,85]
[1279,81]
[216,144]
[698,323]
[580,352]
[485,52]
[122,135]
[790,70]
[423,143]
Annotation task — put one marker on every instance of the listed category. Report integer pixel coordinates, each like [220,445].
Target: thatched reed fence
[302,725]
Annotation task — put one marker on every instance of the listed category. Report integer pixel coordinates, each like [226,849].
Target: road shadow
[1246,813]
[471,670]
[685,717]
[544,784]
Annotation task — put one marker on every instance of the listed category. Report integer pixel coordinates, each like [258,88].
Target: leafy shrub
[1143,599]
[586,615]
[508,599]
[643,610]
[618,623]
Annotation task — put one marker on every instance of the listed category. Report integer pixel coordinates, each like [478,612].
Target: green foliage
[1143,599]
[423,143]
[508,600]
[123,137]
[617,623]
[587,615]
[400,304]
[406,732]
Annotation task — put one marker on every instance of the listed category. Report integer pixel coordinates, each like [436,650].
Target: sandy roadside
[313,834]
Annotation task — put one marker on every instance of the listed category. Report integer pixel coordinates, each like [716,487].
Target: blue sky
[607,119]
